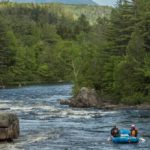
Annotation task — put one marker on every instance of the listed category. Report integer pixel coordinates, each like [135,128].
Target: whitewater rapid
[47,125]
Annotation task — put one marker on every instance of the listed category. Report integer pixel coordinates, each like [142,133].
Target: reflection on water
[46,125]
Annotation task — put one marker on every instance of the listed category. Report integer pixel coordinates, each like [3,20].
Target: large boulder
[85,98]
[9,126]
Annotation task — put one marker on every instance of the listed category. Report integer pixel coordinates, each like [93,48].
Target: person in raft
[115,132]
[133,131]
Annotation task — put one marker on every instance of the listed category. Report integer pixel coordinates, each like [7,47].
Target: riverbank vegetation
[109,52]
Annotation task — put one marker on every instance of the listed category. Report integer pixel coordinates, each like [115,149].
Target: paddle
[142,140]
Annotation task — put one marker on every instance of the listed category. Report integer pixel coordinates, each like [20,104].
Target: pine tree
[122,20]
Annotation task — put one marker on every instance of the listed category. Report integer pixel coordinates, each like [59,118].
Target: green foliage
[122,71]
[130,85]
[82,44]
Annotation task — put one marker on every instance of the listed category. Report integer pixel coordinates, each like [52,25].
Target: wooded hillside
[111,53]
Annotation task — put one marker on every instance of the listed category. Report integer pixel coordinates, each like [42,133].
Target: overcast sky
[106,2]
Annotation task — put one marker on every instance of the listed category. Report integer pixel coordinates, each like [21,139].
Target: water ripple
[47,125]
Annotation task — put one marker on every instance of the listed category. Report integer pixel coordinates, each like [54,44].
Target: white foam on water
[30,108]
[53,111]
[23,108]
[4,106]
[10,146]
[108,112]
[79,113]
[5,101]
[77,117]
[36,138]
[26,139]
[46,107]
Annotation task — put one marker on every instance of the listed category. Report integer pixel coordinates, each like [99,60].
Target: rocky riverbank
[87,98]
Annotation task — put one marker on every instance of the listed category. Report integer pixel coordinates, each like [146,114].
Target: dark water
[46,125]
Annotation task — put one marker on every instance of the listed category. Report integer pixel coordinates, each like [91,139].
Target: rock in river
[9,126]
[85,98]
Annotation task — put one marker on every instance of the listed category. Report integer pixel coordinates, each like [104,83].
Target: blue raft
[125,137]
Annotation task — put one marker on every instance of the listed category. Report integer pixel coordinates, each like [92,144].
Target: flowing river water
[47,125]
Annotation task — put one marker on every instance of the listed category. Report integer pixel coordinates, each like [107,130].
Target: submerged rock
[85,98]
[9,126]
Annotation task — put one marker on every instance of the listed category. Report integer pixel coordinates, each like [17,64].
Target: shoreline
[28,83]
[88,98]
[123,106]
[108,106]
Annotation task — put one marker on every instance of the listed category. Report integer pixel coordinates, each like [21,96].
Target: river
[47,125]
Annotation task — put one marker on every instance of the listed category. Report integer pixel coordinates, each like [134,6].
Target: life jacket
[134,132]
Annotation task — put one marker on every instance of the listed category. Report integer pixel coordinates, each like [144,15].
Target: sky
[106,2]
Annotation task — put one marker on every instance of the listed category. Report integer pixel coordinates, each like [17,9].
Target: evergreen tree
[122,25]
[82,24]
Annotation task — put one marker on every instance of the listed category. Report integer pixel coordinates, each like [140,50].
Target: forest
[107,49]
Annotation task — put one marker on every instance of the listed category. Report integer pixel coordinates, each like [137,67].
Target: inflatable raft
[125,137]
